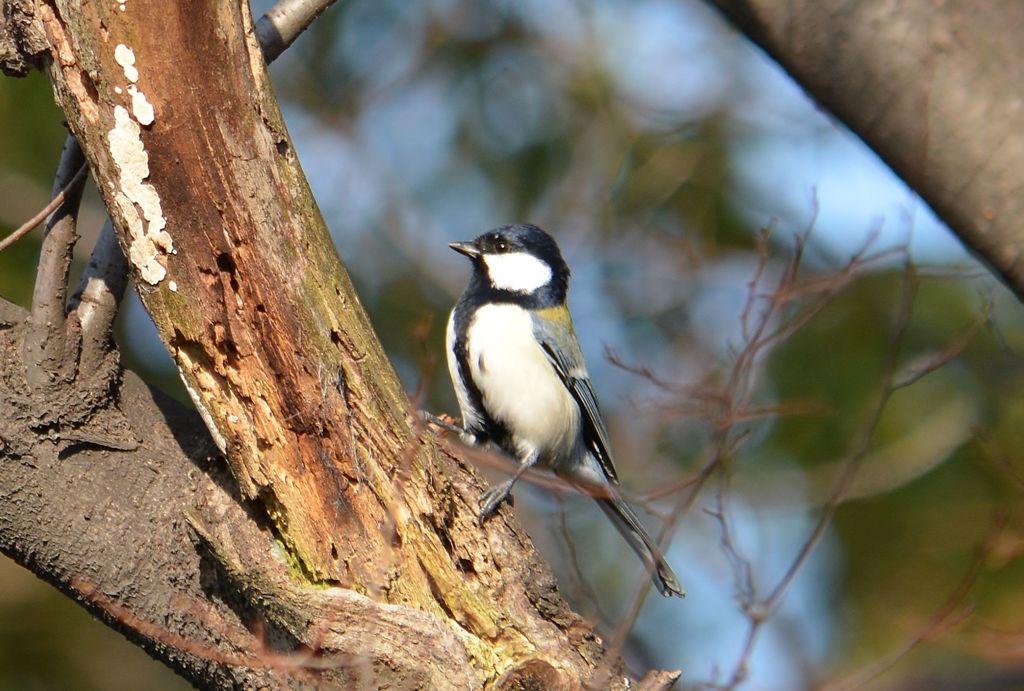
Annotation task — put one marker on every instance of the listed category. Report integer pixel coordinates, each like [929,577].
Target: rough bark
[932,87]
[352,540]
[153,538]
[23,46]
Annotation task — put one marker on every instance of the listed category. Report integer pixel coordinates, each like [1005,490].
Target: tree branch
[933,88]
[98,296]
[285,22]
[47,348]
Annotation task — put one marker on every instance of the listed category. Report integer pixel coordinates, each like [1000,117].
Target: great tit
[521,383]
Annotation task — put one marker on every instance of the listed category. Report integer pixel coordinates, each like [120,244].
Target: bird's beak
[466,248]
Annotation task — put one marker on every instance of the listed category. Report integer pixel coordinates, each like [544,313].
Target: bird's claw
[442,421]
[493,498]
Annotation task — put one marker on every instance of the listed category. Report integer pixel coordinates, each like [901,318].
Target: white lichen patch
[141,107]
[138,200]
[172,286]
[125,57]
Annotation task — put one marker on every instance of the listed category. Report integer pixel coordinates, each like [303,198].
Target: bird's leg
[427,416]
[493,497]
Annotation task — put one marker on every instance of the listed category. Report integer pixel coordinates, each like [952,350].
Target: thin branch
[759,612]
[921,367]
[257,653]
[770,316]
[103,281]
[763,238]
[29,225]
[582,588]
[735,393]
[951,613]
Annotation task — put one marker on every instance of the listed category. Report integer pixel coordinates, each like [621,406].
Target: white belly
[519,386]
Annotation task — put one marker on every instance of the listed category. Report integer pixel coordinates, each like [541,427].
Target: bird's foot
[443,421]
[493,498]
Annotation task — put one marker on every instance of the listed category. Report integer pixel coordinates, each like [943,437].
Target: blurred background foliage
[656,145]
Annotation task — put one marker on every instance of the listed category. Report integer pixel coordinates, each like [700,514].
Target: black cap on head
[523,237]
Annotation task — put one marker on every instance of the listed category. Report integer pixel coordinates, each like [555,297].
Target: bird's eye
[502,246]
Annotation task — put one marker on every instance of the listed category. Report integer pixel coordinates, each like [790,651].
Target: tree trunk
[154,539]
[346,549]
[932,87]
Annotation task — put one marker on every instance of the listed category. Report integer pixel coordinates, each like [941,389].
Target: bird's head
[519,259]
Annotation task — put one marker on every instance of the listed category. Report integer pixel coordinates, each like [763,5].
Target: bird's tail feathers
[627,523]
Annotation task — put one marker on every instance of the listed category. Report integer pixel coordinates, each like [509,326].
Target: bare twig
[734,394]
[1002,462]
[27,227]
[737,390]
[758,612]
[586,593]
[768,319]
[752,286]
[951,613]
[256,652]
[922,367]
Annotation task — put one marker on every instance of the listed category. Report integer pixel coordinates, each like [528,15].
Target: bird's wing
[554,331]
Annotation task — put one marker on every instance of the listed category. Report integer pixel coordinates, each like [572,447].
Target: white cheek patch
[518,272]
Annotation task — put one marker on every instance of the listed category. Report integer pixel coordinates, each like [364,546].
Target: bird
[521,382]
